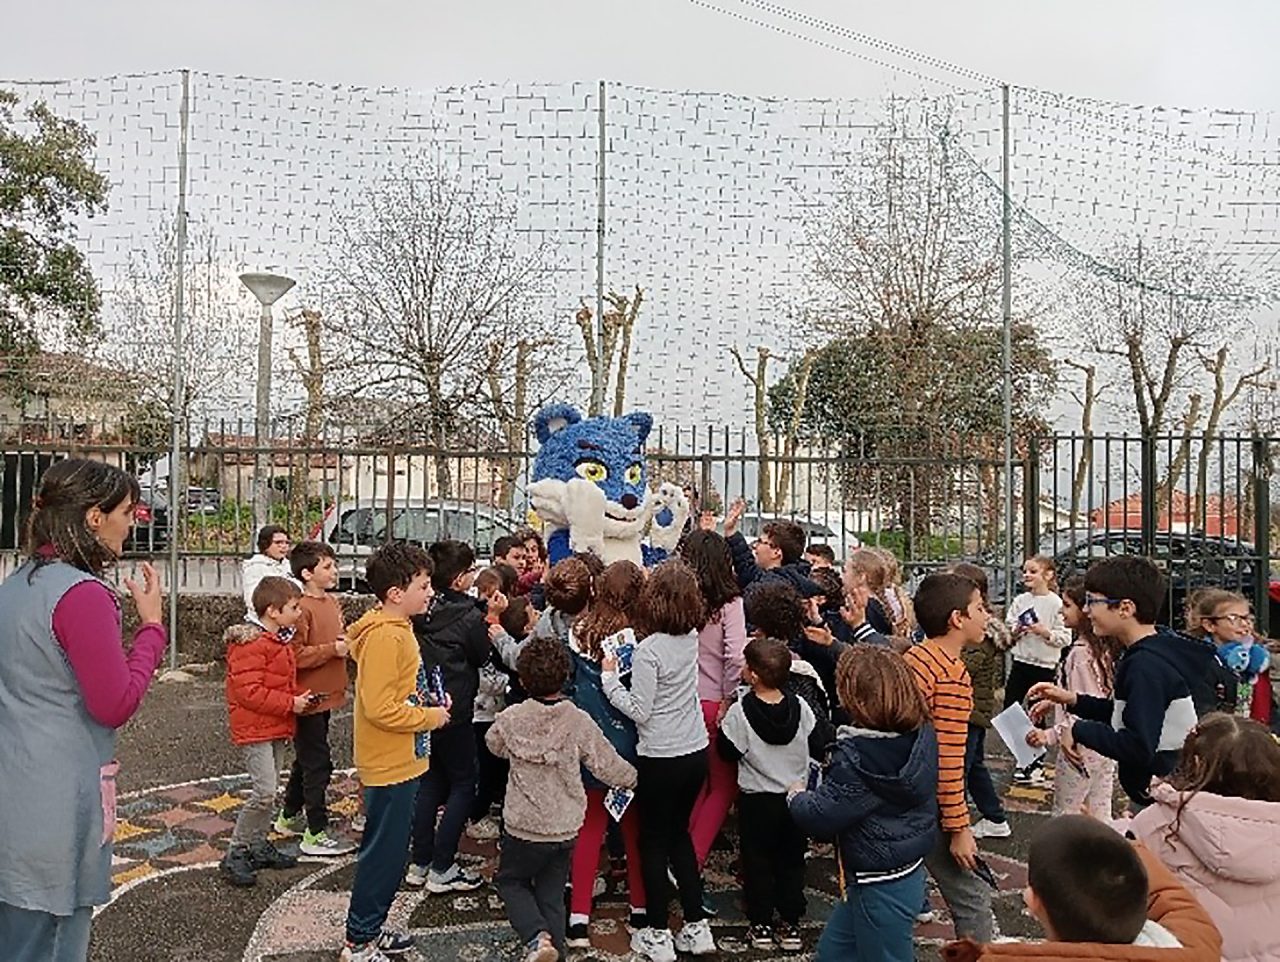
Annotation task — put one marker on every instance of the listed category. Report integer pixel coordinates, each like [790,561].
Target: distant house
[1177,512]
[228,462]
[64,397]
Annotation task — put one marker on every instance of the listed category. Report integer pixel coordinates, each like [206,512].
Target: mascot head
[608,452]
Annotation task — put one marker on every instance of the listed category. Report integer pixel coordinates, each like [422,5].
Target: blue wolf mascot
[591,487]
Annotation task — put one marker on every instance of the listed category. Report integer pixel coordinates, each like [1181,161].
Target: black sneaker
[265,855]
[639,920]
[393,943]
[760,937]
[578,936]
[788,937]
[237,868]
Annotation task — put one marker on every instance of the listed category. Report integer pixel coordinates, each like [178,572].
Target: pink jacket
[1225,854]
[1080,674]
[720,645]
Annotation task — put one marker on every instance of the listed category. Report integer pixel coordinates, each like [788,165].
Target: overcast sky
[1177,52]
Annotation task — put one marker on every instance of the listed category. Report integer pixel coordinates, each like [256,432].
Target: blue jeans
[451,782]
[384,848]
[874,922]
[30,936]
[978,779]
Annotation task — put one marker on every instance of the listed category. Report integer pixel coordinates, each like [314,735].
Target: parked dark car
[150,524]
[1189,560]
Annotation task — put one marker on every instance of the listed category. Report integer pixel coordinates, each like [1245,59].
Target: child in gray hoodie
[548,740]
[767,733]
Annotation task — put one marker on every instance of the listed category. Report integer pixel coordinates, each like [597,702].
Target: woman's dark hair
[267,534]
[613,604]
[67,491]
[707,553]
[1104,651]
[1227,755]
[671,602]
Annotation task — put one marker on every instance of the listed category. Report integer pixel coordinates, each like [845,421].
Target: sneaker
[925,916]
[788,937]
[637,920]
[985,828]
[485,830]
[540,949]
[656,945]
[238,868]
[1031,776]
[357,824]
[265,855]
[455,879]
[322,843]
[394,943]
[416,876]
[578,936]
[289,825]
[694,938]
[760,937]
[369,952]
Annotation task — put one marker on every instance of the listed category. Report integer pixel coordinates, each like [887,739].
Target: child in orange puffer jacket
[263,701]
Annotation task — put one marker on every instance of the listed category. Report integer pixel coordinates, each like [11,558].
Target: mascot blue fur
[591,488]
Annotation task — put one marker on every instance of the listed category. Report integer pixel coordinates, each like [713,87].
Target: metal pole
[177,492]
[262,420]
[1006,311]
[598,387]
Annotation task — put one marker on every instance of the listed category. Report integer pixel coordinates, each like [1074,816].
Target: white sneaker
[454,879]
[369,952]
[357,824]
[655,945]
[694,938]
[985,828]
[925,916]
[416,876]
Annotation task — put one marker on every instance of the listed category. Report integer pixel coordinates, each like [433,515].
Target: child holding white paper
[1089,668]
[1035,618]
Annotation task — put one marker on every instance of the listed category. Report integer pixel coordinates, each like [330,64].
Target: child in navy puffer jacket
[879,801]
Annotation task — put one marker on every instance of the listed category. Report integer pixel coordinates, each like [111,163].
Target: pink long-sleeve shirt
[112,681]
[720,645]
[1080,673]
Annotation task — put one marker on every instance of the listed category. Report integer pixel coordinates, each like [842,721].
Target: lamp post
[267,288]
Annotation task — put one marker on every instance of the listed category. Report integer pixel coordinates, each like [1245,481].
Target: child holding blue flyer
[548,741]
[767,734]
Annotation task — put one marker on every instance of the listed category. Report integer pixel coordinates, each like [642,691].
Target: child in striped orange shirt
[951,613]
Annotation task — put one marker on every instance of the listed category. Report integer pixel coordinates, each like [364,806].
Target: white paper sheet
[1012,726]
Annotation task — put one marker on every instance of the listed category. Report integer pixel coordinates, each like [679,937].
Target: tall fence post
[177,474]
[1262,533]
[1150,509]
[1031,498]
[704,480]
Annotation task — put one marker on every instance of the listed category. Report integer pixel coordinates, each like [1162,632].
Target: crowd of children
[586,701]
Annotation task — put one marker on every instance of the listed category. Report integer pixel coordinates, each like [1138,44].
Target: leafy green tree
[46,182]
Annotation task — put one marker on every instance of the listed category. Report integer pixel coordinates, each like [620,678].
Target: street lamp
[267,288]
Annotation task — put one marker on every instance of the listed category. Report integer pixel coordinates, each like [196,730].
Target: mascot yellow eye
[593,471]
[633,474]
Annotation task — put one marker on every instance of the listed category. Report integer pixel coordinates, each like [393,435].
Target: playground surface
[182,786]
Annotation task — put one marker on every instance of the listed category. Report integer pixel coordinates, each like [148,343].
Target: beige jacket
[548,744]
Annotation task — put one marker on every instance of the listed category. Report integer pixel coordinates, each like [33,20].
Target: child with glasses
[1145,721]
[1224,618]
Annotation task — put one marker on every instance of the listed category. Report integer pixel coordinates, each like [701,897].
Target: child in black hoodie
[878,800]
[767,734]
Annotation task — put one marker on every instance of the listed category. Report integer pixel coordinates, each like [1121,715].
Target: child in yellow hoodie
[391,719]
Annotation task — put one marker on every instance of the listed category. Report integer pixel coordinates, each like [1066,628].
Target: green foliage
[906,548]
[46,181]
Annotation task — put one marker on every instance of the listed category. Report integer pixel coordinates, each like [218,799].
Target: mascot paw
[670,511]
[584,507]
[547,497]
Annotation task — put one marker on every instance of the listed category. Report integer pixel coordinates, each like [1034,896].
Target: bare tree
[1223,398]
[612,339]
[511,407]
[217,336]
[426,275]
[1087,400]
[760,406]
[311,372]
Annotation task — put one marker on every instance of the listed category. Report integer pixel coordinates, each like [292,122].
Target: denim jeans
[874,922]
[263,761]
[966,895]
[451,782]
[29,936]
[978,779]
[380,864]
